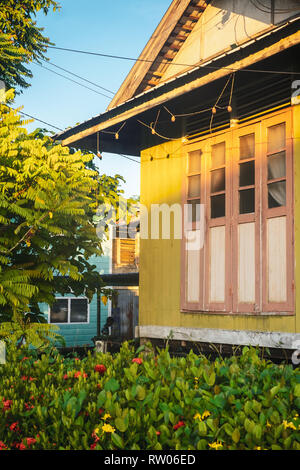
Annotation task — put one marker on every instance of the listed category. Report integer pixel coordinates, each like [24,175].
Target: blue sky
[122,28]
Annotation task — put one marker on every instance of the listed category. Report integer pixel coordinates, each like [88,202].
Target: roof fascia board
[150,51]
[262,54]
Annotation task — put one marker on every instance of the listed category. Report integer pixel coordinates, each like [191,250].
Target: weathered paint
[160,260]
[223,25]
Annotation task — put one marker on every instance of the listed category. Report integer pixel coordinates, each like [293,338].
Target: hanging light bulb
[173,118]
[116,136]
[152,131]
[214,110]
[229,108]
[99,155]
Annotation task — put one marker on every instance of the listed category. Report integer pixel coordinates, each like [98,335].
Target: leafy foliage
[21,40]
[153,401]
[23,331]
[48,199]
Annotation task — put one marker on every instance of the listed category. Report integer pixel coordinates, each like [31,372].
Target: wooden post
[98,312]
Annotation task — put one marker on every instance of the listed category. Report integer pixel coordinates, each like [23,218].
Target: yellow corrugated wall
[161,180]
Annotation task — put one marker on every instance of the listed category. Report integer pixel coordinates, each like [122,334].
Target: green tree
[48,199]
[21,40]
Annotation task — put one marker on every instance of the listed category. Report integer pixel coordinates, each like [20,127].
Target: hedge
[147,400]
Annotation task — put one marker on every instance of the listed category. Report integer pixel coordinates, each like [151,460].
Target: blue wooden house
[76,316]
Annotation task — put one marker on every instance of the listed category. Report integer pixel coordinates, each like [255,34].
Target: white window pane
[194,186]
[276,166]
[195,162]
[218,155]
[247,146]
[276,137]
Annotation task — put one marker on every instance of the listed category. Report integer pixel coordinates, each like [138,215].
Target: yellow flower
[268,424]
[198,416]
[106,416]
[257,448]
[107,428]
[215,445]
[206,414]
[50,215]
[289,425]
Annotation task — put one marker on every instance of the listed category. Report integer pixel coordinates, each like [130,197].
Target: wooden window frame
[286,211]
[262,213]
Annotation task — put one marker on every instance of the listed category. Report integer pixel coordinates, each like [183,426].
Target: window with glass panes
[245,180]
[69,310]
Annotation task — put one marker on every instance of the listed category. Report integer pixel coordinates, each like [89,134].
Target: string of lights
[214,108]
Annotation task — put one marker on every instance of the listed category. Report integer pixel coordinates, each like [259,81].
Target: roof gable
[167,40]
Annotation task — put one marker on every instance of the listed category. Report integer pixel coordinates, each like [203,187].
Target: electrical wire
[59,129]
[267,9]
[78,76]
[74,81]
[36,119]
[279,72]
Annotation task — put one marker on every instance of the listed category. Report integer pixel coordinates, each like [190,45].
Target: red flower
[178,425]
[25,358]
[30,441]
[92,447]
[14,426]
[95,437]
[76,359]
[79,373]
[158,433]
[138,360]
[101,410]
[31,379]
[20,446]
[24,377]
[66,377]
[100,368]
[6,404]
[28,406]
[2,446]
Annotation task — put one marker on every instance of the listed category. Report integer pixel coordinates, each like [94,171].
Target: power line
[59,129]
[111,56]
[74,81]
[78,76]
[128,158]
[36,119]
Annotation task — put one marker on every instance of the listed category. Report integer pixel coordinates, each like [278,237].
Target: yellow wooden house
[211,107]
